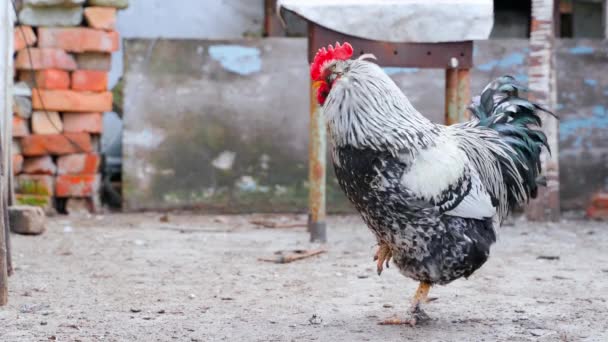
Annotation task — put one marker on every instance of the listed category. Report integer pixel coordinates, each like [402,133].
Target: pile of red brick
[598,209]
[57,118]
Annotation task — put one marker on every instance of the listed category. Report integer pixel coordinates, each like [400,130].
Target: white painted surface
[400,20]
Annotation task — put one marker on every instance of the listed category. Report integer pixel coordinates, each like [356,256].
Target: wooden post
[272,24]
[543,90]
[6,83]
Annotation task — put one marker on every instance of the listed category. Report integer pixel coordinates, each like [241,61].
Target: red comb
[341,52]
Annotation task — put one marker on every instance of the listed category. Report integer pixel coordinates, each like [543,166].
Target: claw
[383,256]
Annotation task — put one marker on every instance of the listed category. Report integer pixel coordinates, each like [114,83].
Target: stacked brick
[62,58]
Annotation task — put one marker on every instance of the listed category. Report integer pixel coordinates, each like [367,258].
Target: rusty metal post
[464,94]
[316,172]
[451,96]
[543,90]
[272,24]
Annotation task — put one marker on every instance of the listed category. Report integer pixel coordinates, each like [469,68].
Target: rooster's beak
[316,84]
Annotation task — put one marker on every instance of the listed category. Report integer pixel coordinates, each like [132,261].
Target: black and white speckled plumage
[435,194]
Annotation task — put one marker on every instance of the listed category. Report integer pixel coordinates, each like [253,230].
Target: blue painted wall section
[239,59]
[582,129]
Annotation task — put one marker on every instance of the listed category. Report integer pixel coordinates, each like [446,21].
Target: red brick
[600,200]
[76,185]
[47,79]
[46,123]
[34,184]
[39,166]
[72,101]
[17,163]
[55,144]
[83,122]
[78,39]
[44,59]
[81,163]
[596,213]
[90,80]
[103,18]
[20,127]
[21,41]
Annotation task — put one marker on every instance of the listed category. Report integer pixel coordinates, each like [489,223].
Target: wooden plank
[543,90]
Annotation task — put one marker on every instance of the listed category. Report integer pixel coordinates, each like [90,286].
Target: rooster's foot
[382,257]
[417,317]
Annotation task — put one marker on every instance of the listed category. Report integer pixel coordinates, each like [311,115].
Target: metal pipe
[451,96]
[464,94]
[316,172]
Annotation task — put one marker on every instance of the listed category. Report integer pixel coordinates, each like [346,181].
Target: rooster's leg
[383,256]
[417,315]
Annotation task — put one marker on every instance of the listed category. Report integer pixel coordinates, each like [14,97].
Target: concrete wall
[222,125]
[188,19]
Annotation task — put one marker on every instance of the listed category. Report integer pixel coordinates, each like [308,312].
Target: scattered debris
[275,224]
[315,320]
[192,296]
[164,218]
[387,306]
[547,257]
[33,308]
[161,311]
[362,276]
[72,326]
[135,310]
[285,257]
[226,298]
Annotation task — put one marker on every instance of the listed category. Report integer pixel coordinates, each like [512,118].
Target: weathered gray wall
[190,106]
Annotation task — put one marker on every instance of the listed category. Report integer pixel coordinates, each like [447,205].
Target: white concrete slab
[400,20]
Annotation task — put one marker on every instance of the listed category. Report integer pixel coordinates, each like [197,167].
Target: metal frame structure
[455,57]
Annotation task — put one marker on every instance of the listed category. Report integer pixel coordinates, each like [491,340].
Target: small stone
[22,106]
[27,220]
[122,4]
[51,16]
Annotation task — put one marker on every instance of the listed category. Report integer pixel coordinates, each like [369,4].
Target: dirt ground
[134,277]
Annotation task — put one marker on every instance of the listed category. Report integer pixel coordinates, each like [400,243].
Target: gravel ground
[142,277]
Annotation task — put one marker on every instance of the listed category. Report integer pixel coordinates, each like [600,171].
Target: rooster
[433,195]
